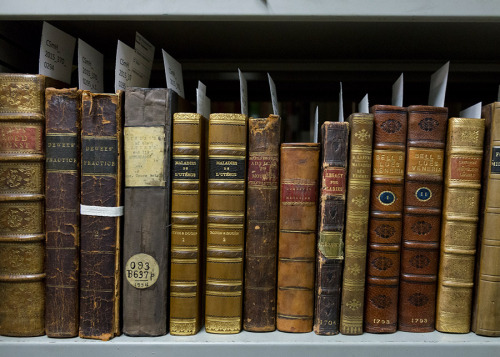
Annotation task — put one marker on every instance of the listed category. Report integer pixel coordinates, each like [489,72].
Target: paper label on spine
[144,156]
[173,74]
[90,68]
[56,53]
[142,271]
[123,66]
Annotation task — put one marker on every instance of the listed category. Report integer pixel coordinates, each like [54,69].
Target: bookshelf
[308,47]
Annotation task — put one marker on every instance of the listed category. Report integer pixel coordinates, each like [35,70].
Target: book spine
[464,155]
[299,171]
[422,217]
[147,151]
[188,230]
[100,215]
[356,225]
[22,232]
[330,245]
[264,138]
[386,215]
[486,314]
[227,135]
[62,211]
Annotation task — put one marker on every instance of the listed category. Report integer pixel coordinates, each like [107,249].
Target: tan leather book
[462,184]
[259,306]
[386,218]
[422,217]
[101,212]
[22,195]
[356,223]
[486,309]
[62,211]
[299,175]
[188,218]
[227,149]
[331,219]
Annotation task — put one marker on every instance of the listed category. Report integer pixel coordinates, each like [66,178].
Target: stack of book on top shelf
[154,219]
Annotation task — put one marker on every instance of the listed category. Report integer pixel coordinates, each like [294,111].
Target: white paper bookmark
[316,124]
[243,93]
[341,105]
[474,111]
[143,61]
[173,74]
[123,66]
[437,91]
[202,101]
[364,106]
[56,53]
[90,68]
[274,96]
[397,92]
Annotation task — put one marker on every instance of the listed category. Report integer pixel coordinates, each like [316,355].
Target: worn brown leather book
[62,211]
[227,149]
[259,307]
[299,172]
[22,194]
[486,308]
[422,217]
[356,223]
[148,149]
[464,156]
[386,218]
[330,246]
[101,213]
[188,223]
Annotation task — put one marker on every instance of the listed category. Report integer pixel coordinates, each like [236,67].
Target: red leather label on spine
[298,193]
[21,139]
[262,170]
[465,168]
[333,181]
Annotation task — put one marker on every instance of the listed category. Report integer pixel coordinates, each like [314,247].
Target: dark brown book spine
[259,307]
[147,147]
[100,212]
[330,247]
[299,171]
[386,215]
[422,217]
[62,211]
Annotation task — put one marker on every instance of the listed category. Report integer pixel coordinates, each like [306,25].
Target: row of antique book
[219,222]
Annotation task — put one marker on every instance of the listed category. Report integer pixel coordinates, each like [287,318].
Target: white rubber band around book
[101,211]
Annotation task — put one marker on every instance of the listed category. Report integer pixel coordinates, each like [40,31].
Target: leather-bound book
[422,217]
[356,223]
[330,245]
[386,218]
[22,194]
[188,218]
[148,150]
[227,149]
[259,307]
[101,213]
[299,175]
[62,211]
[462,185]
[486,308]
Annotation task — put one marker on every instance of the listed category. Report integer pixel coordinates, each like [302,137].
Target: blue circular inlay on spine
[423,194]
[387,198]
